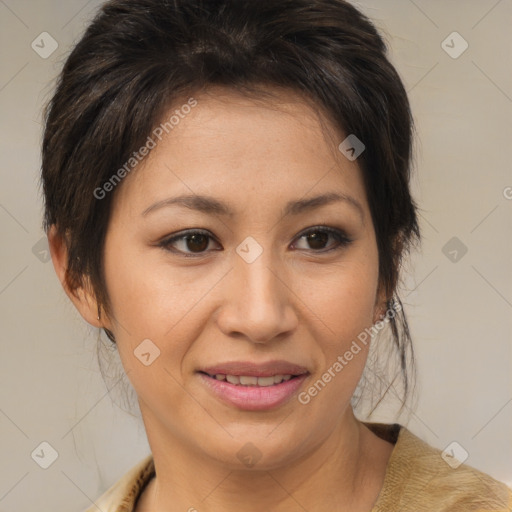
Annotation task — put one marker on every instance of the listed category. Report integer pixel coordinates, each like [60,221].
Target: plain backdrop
[457,290]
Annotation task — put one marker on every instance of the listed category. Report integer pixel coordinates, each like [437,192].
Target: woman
[279,136]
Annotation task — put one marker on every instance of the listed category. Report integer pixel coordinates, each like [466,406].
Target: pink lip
[256,370]
[253,398]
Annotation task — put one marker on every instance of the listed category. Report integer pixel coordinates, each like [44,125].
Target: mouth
[253,387]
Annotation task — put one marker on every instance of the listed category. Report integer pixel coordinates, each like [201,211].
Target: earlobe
[378,315]
[379,311]
[83,298]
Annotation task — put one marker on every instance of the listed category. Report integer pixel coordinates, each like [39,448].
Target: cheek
[344,299]
[153,299]
[344,304]
[154,321]
[146,293]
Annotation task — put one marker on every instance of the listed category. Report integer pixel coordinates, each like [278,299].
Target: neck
[336,475]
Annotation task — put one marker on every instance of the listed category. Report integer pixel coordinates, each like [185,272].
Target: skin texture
[295,302]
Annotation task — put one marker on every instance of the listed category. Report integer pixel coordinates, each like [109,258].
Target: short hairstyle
[137,58]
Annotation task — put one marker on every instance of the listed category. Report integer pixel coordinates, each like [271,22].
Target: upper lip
[252,369]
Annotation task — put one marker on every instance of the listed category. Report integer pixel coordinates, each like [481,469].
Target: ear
[83,297]
[381,302]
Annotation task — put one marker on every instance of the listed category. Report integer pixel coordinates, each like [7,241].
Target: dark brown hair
[138,57]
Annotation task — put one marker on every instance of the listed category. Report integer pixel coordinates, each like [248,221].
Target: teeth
[250,380]
[233,379]
[266,381]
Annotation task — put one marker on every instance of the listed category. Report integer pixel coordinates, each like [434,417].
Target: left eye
[195,243]
[317,238]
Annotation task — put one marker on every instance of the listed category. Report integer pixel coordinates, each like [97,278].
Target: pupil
[318,237]
[197,239]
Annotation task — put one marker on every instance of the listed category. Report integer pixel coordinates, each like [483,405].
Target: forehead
[246,150]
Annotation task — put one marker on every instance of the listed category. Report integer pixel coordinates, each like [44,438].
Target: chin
[258,447]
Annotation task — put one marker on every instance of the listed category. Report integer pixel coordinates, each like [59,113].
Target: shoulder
[121,497]
[418,479]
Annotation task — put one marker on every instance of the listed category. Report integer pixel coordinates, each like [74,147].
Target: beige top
[417,480]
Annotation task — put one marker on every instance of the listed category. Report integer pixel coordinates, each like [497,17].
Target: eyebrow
[210,205]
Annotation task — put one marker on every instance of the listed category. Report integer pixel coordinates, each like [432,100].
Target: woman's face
[275,283]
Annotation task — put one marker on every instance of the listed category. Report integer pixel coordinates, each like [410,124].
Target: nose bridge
[260,281]
[253,265]
[257,305]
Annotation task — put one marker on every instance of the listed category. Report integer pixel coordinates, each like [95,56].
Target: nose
[258,303]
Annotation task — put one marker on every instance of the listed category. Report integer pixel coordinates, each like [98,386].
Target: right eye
[190,244]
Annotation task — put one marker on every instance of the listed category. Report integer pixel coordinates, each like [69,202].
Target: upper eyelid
[193,231]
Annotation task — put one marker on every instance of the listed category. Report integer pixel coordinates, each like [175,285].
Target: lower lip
[254,398]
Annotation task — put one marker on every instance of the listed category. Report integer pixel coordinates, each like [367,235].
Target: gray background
[459,305]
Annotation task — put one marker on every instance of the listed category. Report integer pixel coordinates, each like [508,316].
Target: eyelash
[342,239]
